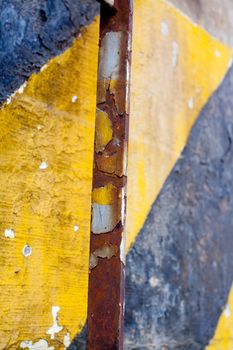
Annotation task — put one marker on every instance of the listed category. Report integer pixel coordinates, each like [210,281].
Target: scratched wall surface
[46,156]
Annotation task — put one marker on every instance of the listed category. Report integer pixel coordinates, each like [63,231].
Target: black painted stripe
[180,270]
[33,31]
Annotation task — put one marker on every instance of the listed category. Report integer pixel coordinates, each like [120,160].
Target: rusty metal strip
[107,248]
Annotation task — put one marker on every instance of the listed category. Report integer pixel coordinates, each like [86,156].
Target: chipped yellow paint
[45,194]
[104,195]
[223,339]
[176,66]
[103,130]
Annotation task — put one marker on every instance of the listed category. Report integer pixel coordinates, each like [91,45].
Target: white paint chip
[227,311]
[43,166]
[43,67]
[9,233]
[104,218]
[39,345]
[67,340]
[175,53]
[74,98]
[109,56]
[76,228]
[164,28]
[27,250]
[191,103]
[55,327]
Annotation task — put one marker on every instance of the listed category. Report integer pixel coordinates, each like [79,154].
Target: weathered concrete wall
[31,32]
[180,270]
[216,16]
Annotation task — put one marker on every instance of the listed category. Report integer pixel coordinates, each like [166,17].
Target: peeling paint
[109,56]
[76,228]
[104,131]
[104,218]
[74,98]
[105,252]
[27,250]
[55,327]
[43,166]
[9,233]
[39,345]
[67,340]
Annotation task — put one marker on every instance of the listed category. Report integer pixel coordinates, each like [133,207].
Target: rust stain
[106,278]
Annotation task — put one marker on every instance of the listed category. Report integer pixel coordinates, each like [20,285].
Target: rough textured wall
[33,31]
[46,157]
[180,271]
[216,16]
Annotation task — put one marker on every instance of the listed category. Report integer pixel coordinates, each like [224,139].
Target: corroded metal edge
[107,255]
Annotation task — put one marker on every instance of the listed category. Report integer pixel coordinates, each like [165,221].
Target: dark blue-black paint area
[180,270]
[33,31]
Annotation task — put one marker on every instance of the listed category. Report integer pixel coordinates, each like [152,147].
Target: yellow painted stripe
[47,141]
[176,66]
[223,338]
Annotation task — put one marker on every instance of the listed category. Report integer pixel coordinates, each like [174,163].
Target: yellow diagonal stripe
[176,66]
[46,157]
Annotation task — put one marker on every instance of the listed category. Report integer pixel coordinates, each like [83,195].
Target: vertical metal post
[107,248]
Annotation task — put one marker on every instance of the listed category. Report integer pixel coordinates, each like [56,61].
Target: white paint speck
[39,127]
[76,228]
[67,340]
[55,327]
[43,166]
[22,87]
[8,100]
[154,281]
[74,98]
[164,28]
[191,103]
[9,233]
[39,345]
[227,311]
[217,53]
[175,53]
[27,250]
[43,67]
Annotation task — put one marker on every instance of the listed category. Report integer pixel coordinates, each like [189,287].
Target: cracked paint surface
[45,198]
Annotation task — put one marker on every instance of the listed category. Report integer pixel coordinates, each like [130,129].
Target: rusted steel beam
[107,248]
